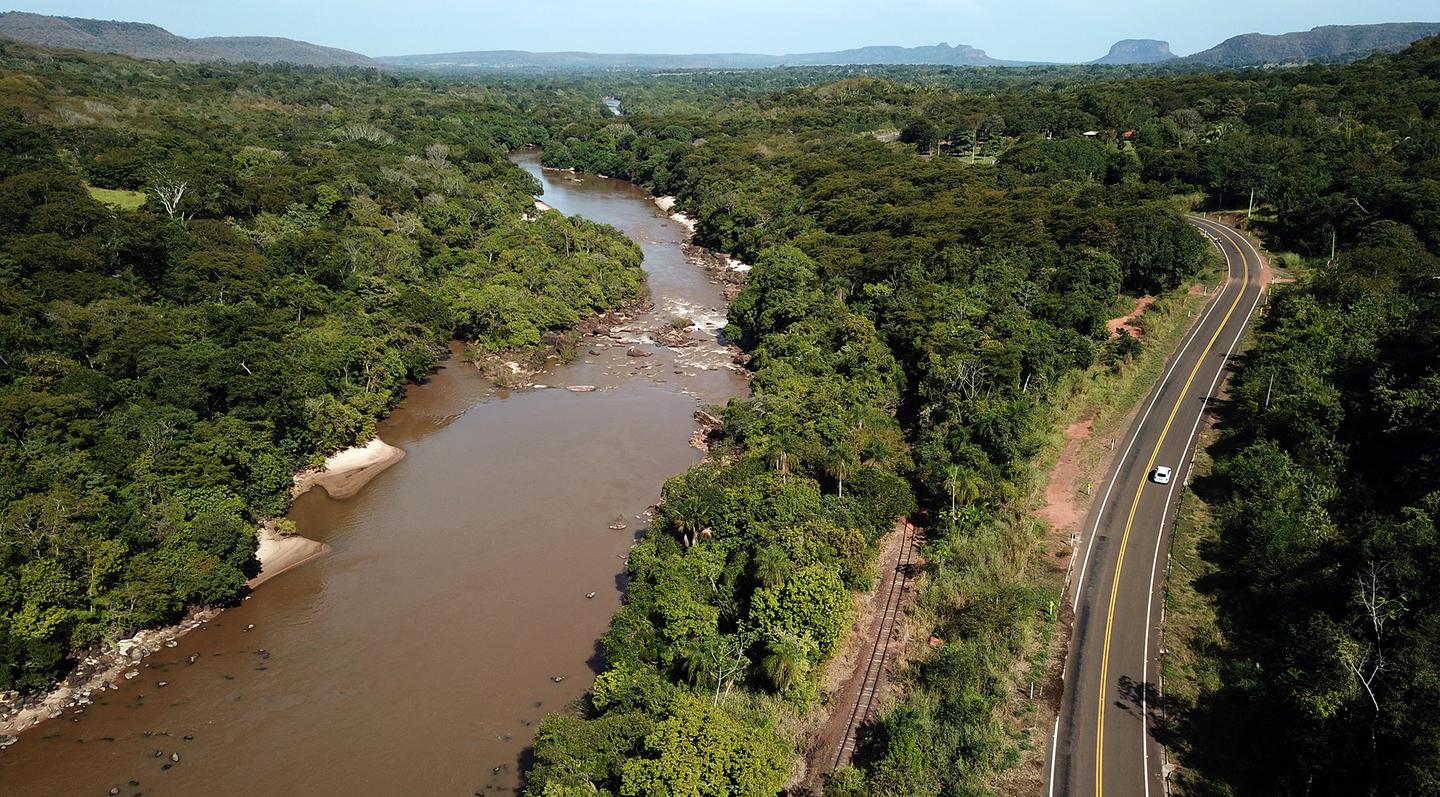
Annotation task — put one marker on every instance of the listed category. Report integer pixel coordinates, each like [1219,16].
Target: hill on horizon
[1137,51]
[943,53]
[143,40]
[1323,43]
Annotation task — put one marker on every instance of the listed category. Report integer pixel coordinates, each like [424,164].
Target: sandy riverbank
[667,204]
[278,553]
[725,269]
[345,472]
[100,669]
[342,476]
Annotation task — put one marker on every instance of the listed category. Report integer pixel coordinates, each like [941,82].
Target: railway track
[880,648]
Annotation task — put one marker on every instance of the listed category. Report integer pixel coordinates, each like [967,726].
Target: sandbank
[345,472]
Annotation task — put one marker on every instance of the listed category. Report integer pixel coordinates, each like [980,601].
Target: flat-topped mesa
[942,54]
[1137,51]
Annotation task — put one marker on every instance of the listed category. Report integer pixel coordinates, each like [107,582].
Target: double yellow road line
[1130,521]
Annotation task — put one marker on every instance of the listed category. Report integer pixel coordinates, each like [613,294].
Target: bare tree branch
[170,192]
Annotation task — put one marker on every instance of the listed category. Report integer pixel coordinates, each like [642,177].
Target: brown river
[417,657]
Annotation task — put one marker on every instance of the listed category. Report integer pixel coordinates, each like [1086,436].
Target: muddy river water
[417,657]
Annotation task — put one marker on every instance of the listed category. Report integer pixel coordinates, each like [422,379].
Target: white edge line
[1145,657]
[1134,435]
[1054,738]
[1186,462]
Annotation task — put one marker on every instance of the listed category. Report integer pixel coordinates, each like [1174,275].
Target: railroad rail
[880,648]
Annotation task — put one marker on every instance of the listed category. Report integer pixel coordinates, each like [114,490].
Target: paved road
[1102,743]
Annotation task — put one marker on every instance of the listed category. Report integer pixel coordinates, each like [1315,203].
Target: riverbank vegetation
[935,255]
[911,319]
[988,285]
[209,276]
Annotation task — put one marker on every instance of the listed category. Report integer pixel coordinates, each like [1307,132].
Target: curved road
[1102,743]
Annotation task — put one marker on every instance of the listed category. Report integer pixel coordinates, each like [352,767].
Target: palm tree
[688,514]
[871,434]
[782,448]
[786,662]
[964,486]
[691,659]
[841,464]
[772,566]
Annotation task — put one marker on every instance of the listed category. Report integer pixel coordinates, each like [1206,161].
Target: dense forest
[978,287]
[209,276]
[1326,491]
[911,320]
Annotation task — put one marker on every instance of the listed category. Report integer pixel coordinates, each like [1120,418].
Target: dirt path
[877,640]
[1126,323]
[1062,510]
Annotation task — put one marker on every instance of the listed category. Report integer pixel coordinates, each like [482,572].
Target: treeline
[1322,147]
[910,320]
[742,588]
[1327,487]
[986,285]
[284,249]
[1328,495]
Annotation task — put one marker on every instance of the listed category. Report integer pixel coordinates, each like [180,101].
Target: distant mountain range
[958,55]
[1328,43]
[151,41]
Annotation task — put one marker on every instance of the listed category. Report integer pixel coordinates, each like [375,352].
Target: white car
[1161,475]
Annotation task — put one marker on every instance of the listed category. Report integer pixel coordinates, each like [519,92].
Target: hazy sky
[1049,30]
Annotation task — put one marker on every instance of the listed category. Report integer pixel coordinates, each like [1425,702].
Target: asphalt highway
[1103,742]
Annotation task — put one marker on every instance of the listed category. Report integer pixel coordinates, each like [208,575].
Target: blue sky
[1050,30]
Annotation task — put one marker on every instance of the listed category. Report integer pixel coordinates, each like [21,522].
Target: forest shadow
[1138,698]
[1214,733]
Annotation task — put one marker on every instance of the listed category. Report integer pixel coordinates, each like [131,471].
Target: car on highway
[1161,475]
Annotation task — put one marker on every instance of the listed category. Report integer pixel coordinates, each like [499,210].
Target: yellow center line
[1130,520]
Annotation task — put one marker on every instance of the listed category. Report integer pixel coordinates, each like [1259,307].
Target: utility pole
[1251,209]
[1268,388]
